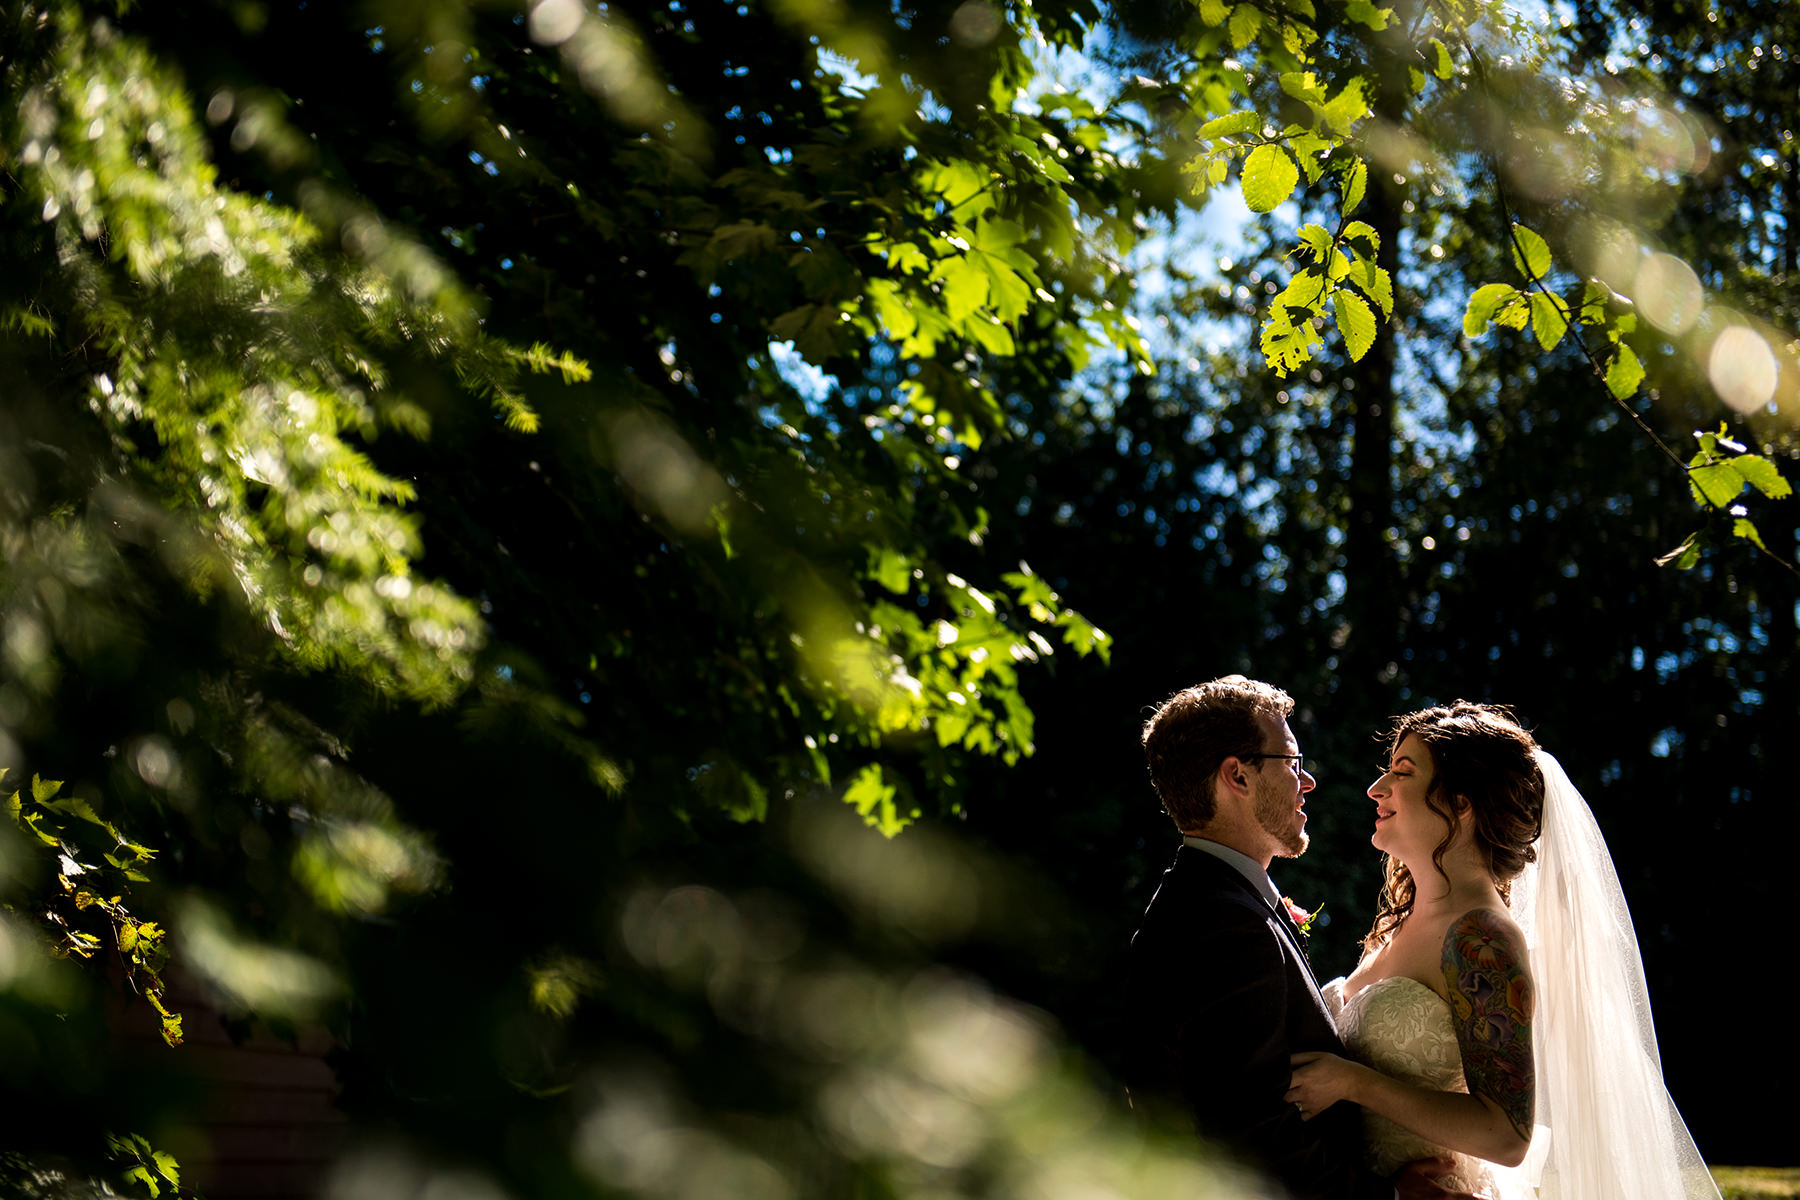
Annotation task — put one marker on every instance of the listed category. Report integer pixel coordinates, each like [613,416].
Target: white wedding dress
[1606,1128]
[1403,1029]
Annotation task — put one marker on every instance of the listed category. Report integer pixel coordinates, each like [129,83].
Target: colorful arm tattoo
[1491,999]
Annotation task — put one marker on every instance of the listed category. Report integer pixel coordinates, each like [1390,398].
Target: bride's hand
[1320,1080]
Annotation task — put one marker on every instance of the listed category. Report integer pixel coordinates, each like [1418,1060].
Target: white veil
[1606,1126]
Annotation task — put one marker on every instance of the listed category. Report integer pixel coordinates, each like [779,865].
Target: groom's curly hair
[1484,762]
[1192,732]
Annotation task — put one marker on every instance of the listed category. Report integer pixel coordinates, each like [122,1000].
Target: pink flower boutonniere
[1302,919]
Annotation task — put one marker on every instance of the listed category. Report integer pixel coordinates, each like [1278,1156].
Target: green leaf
[1361,237]
[1303,86]
[906,257]
[894,313]
[1356,186]
[1246,23]
[958,181]
[1762,475]
[891,569]
[1530,253]
[1376,283]
[1356,321]
[741,238]
[1269,178]
[1233,123]
[1484,304]
[1624,373]
[1548,320]
[1364,13]
[1742,527]
[873,797]
[1214,12]
[1348,107]
[1684,556]
[1445,67]
[1316,239]
[965,286]
[993,337]
[1715,483]
[1286,343]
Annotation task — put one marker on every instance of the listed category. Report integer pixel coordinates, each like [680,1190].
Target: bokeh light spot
[1743,368]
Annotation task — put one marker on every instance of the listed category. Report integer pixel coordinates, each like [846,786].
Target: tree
[427,562]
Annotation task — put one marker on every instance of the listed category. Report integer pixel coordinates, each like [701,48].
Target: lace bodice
[1402,1028]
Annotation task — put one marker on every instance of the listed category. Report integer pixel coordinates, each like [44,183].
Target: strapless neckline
[1368,989]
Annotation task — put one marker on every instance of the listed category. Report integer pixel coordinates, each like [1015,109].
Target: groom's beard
[1280,819]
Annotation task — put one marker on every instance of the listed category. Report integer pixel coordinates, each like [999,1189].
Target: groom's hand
[1418,1180]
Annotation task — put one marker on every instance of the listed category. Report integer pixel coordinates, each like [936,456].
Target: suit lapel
[1285,923]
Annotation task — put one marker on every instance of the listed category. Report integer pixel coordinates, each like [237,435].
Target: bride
[1498,1015]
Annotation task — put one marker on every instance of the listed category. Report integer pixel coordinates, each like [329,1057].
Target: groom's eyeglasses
[1300,763]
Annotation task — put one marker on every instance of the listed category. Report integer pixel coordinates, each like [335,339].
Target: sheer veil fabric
[1606,1126]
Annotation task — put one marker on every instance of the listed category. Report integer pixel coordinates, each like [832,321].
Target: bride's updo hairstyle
[1483,763]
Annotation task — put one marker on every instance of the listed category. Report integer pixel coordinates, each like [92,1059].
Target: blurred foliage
[513,502]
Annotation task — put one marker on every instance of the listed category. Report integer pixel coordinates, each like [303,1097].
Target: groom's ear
[1232,776]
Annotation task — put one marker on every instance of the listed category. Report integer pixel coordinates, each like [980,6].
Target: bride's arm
[1491,1004]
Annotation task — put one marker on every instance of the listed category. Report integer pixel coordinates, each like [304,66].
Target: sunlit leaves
[93,864]
[1269,178]
[1231,125]
[1373,16]
[1356,321]
[141,1165]
[1356,186]
[1530,253]
[1721,469]
[873,798]
[1548,320]
[1624,372]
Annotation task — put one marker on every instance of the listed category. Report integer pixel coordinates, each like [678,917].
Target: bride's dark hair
[1483,760]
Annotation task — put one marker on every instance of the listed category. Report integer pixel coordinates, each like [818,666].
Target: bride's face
[1405,825]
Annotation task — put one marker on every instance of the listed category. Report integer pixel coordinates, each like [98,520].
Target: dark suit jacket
[1223,995]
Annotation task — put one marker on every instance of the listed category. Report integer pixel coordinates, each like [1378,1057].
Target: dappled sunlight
[922,883]
[653,458]
[391,1173]
[246,975]
[614,66]
[355,866]
[914,1074]
[635,1137]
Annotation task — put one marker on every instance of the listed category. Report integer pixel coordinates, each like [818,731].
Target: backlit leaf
[1356,321]
[1356,186]
[1233,123]
[1484,304]
[1530,253]
[1548,321]
[1269,178]
[1624,373]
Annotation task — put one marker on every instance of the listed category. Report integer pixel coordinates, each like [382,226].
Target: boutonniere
[1302,919]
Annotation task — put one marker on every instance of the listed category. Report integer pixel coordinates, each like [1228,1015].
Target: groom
[1218,962]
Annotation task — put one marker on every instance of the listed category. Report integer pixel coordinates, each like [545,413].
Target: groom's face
[1281,792]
